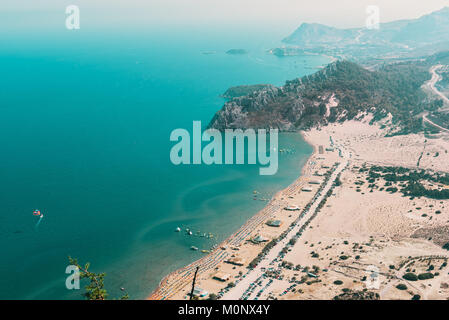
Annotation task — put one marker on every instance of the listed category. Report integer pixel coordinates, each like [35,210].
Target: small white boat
[178,229]
[189,233]
[193,248]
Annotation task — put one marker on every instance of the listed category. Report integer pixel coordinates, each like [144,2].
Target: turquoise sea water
[85,122]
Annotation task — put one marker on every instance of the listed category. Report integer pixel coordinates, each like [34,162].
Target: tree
[338,182]
[95,289]
[425,276]
[401,286]
[410,277]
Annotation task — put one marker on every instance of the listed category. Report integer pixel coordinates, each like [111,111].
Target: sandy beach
[177,284]
[239,245]
[337,245]
[361,228]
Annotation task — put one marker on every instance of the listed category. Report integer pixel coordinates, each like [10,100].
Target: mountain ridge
[341,91]
[406,38]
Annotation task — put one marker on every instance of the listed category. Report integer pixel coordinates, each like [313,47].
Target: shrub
[338,282]
[410,276]
[401,286]
[425,276]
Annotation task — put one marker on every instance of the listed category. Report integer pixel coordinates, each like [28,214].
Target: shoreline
[177,280]
[340,230]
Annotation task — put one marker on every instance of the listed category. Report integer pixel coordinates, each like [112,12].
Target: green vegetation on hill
[244,90]
[440,118]
[393,89]
[439,58]
[301,103]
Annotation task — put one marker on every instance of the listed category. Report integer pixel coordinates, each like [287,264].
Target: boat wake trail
[38,222]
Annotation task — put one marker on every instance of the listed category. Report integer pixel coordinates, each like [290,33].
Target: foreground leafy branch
[95,289]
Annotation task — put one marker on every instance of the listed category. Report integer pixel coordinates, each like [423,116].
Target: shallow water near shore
[84,137]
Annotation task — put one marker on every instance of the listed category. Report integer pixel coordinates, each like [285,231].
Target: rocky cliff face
[288,108]
[268,108]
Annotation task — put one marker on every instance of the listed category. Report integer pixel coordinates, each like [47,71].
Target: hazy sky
[285,14]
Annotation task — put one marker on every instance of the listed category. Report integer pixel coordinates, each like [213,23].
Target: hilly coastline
[372,198]
[339,92]
[402,39]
